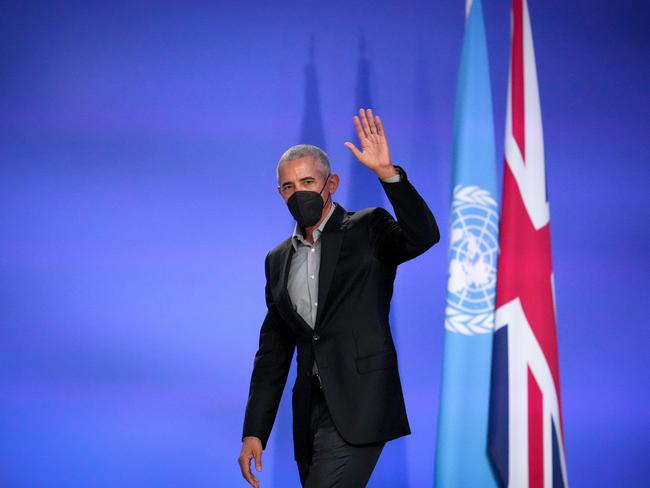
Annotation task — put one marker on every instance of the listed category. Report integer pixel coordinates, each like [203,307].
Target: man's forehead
[299,168]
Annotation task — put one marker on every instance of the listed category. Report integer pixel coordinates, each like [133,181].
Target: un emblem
[473,254]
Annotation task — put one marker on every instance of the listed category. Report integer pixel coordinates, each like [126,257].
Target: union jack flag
[526,437]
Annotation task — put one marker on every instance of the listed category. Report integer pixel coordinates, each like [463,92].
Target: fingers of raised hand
[364,122]
[359,129]
[354,150]
[380,126]
[371,121]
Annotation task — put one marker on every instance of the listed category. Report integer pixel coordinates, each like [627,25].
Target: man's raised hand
[251,449]
[374,153]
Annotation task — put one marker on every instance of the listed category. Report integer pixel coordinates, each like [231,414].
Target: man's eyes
[289,186]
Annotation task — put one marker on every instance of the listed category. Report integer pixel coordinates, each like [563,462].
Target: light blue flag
[461,453]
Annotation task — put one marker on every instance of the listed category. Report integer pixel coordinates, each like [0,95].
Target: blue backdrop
[138,144]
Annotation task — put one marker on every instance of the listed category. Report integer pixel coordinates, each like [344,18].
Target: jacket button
[316,337]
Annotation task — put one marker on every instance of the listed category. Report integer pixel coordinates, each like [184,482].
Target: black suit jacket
[351,342]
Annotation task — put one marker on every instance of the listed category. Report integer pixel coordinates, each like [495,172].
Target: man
[328,292]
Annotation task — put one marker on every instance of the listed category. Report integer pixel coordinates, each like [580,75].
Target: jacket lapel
[330,242]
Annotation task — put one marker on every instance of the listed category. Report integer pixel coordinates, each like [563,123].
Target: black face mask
[306,206]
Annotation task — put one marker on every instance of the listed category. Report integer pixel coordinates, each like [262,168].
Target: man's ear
[333,183]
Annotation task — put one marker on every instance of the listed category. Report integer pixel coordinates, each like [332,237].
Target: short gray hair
[303,150]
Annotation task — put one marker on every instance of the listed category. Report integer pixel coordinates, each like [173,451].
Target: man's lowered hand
[251,449]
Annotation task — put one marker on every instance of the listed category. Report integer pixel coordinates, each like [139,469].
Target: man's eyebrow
[307,178]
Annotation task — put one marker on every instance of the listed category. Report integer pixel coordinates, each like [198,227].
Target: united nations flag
[461,454]
[473,250]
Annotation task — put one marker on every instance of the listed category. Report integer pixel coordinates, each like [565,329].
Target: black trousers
[333,462]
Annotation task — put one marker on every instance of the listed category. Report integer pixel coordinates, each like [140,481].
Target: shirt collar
[297,237]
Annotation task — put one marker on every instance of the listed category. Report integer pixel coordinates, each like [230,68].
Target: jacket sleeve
[270,370]
[415,229]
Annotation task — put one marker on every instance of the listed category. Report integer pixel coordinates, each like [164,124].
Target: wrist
[386,172]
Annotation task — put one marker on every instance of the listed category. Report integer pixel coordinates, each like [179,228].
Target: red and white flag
[526,437]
